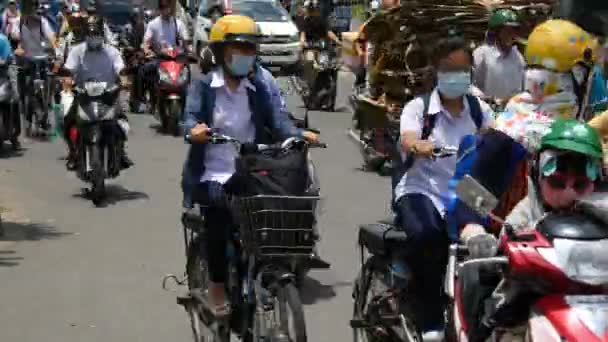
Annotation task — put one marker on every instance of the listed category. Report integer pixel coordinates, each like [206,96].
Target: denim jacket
[270,122]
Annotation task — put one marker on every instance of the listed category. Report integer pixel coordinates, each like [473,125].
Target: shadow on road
[7,152]
[14,232]
[115,193]
[8,259]
[312,291]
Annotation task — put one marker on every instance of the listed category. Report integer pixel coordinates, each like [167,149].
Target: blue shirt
[598,96]
[5,47]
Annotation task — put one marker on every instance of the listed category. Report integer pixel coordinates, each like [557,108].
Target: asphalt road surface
[70,272]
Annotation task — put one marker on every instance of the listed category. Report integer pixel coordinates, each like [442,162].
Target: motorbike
[375,130]
[96,136]
[382,292]
[561,261]
[174,77]
[38,100]
[263,254]
[318,86]
[134,59]
[10,122]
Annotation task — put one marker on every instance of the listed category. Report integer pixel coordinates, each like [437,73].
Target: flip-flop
[219,312]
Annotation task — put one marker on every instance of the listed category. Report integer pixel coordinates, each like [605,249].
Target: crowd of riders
[549,95]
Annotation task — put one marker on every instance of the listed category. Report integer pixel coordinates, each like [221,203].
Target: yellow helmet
[560,44]
[234,28]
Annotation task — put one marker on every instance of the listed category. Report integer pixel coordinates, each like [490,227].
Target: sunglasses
[561,181]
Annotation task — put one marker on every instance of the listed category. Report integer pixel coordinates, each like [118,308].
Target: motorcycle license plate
[592,311]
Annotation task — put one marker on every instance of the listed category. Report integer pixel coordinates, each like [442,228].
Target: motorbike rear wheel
[174,113]
[98,188]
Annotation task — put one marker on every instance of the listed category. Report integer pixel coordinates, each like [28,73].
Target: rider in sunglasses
[567,168]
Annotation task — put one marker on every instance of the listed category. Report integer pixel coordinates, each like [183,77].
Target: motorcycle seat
[380,238]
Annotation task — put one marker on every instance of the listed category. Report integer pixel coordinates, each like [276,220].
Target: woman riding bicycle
[234,100]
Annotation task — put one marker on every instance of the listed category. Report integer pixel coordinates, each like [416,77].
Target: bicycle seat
[381,237]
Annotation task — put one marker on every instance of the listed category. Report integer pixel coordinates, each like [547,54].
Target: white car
[279,44]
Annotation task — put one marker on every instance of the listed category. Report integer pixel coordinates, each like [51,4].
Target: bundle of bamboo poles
[402,37]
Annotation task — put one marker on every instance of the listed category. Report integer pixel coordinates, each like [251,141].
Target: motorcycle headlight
[583,261]
[183,76]
[164,76]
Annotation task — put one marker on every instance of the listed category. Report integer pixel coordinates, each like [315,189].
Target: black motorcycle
[97,135]
[319,82]
[10,122]
[39,84]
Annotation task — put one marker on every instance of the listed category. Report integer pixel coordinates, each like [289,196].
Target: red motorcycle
[173,81]
[563,262]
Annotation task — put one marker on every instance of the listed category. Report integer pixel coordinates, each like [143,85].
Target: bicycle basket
[276,226]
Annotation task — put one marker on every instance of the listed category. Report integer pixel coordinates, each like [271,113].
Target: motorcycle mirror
[475,196]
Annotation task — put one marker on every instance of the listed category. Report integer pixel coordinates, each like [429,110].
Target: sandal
[218,311]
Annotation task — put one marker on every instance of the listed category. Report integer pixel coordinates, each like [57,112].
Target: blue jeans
[427,255]
[218,222]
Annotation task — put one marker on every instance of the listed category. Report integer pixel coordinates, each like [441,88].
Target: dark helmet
[95,26]
[165,3]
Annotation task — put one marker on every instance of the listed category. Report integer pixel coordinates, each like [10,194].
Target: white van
[279,44]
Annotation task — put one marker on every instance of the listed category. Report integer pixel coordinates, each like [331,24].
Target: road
[71,272]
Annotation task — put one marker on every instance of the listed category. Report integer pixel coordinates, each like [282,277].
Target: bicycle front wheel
[291,313]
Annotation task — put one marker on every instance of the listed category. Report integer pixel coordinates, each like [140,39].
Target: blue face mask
[454,84]
[241,65]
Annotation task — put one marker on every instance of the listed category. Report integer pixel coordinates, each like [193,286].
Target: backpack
[400,167]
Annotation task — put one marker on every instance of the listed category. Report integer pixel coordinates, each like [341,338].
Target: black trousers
[218,221]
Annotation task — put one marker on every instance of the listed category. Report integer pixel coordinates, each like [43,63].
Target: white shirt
[102,66]
[33,35]
[497,74]
[231,116]
[430,177]
[165,33]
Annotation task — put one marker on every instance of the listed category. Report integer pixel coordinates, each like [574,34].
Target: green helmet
[575,136]
[503,17]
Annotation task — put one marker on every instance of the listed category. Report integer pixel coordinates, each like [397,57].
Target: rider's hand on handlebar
[311,137]
[200,133]
[423,148]
[56,67]
[149,54]
[19,52]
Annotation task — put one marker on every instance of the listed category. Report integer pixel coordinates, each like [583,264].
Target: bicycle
[382,292]
[275,234]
